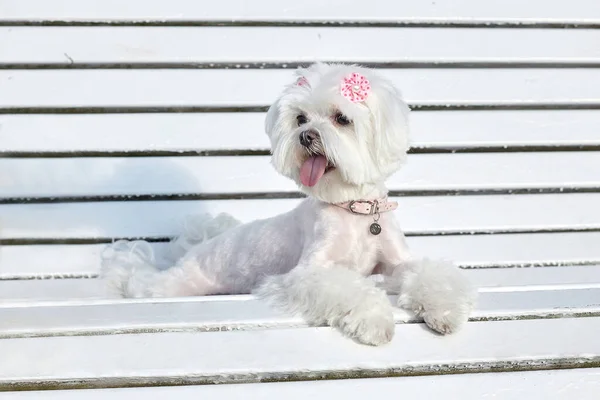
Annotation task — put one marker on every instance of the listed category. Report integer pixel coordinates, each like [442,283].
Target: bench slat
[417,215]
[440,11]
[212,357]
[44,261]
[247,45]
[221,131]
[30,292]
[52,177]
[488,279]
[248,314]
[582,384]
[224,88]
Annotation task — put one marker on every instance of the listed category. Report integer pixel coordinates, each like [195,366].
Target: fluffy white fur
[315,259]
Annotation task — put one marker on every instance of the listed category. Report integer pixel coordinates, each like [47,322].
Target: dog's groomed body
[339,132]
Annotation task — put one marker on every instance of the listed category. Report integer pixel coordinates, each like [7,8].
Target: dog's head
[338,130]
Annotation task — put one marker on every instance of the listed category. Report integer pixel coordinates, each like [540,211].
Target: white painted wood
[254,355]
[582,384]
[30,291]
[56,307]
[148,88]
[505,128]
[488,280]
[527,279]
[131,132]
[75,302]
[221,131]
[440,11]
[66,45]
[43,261]
[136,175]
[511,249]
[248,314]
[255,174]
[417,215]
[26,262]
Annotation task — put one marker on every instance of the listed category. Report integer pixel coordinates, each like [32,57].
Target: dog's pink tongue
[312,170]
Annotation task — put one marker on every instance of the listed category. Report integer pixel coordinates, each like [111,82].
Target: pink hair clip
[355,87]
[302,81]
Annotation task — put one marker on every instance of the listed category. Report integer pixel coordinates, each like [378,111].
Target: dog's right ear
[278,126]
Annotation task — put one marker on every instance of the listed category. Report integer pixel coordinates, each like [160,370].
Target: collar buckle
[373,209]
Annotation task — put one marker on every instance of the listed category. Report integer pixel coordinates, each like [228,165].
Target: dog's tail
[131,268]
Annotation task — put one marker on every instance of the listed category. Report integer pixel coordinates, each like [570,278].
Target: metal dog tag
[375,228]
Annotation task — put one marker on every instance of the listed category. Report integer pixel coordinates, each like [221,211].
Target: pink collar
[369,207]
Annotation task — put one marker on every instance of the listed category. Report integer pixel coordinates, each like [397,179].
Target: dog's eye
[301,119]
[342,119]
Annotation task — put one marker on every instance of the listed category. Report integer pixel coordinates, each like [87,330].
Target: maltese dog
[338,131]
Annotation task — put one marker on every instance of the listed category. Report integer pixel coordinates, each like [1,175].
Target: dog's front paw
[336,297]
[445,321]
[367,325]
[439,293]
[442,317]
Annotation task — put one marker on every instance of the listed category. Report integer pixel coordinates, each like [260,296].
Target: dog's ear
[389,119]
[272,124]
[271,120]
[290,95]
[278,123]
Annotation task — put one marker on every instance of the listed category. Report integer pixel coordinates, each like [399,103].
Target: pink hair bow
[355,87]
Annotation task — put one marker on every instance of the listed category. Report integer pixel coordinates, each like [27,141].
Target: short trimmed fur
[315,259]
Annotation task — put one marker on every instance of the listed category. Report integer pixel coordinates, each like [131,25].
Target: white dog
[338,131]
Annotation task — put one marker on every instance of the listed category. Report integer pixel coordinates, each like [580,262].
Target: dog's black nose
[307,138]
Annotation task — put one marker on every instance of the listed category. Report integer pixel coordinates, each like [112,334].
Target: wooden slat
[504,128]
[471,251]
[212,357]
[511,249]
[248,314]
[22,262]
[221,131]
[31,291]
[488,280]
[254,174]
[582,384]
[523,279]
[417,215]
[247,45]
[440,11]
[181,88]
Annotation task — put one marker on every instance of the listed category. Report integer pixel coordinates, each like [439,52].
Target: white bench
[118,119]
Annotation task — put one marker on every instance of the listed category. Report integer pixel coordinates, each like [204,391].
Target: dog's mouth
[313,169]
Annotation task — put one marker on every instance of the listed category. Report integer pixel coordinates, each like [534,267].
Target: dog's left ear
[389,119]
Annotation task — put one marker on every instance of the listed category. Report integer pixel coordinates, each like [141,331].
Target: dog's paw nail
[373,328]
[445,322]
[407,303]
